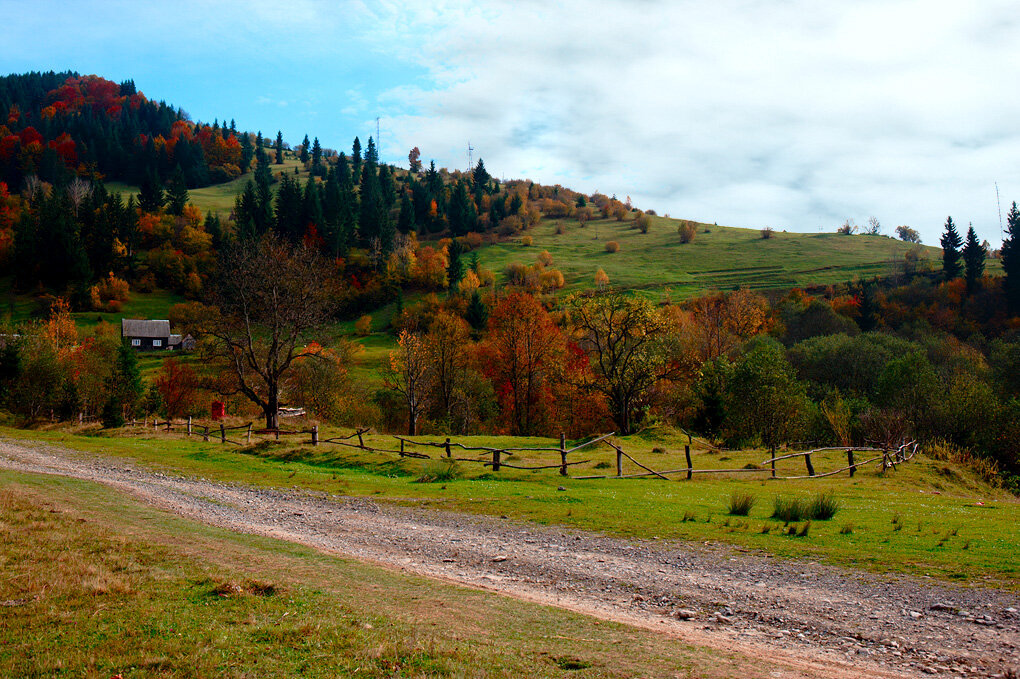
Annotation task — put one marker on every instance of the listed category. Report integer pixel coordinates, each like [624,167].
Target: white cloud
[793,114]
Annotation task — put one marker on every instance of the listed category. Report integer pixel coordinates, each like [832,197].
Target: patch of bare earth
[817,620]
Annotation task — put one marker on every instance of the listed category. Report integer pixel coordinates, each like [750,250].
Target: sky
[792,114]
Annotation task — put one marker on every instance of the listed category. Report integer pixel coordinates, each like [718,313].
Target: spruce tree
[317,158]
[126,386]
[405,222]
[177,193]
[304,150]
[477,315]
[480,179]
[952,266]
[974,258]
[356,157]
[150,194]
[1011,259]
[455,265]
[279,148]
[247,152]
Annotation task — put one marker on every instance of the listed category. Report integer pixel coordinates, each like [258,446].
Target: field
[927,517]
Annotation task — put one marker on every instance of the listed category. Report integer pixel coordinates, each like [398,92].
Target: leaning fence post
[690,466]
[361,442]
[850,461]
[807,461]
[619,462]
[448,453]
[563,454]
[495,460]
[315,434]
[189,425]
[223,433]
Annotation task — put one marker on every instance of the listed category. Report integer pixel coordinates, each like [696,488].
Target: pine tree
[974,258]
[177,193]
[372,153]
[405,222]
[247,152]
[311,206]
[1011,258]
[356,157]
[455,265]
[463,216]
[317,158]
[480,179]
[126,383]
[150,194]
[279,148]
[477,315]
[289,209]
[952,265]
[304,150]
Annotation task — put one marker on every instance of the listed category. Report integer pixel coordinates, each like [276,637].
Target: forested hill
[60,125]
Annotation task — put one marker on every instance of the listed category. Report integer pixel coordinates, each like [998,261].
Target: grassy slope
[943,530]
[101,585]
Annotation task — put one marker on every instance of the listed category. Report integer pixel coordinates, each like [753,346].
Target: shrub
[363,326]
[788,510]
[612,246]
[525,241]
[741,503]
[823,507]
[545,258]
[687,230]
[767,232]
[643,222]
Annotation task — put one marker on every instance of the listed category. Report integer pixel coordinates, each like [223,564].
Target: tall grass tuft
[823,507]
[741,503]
[789,510]
[440,472]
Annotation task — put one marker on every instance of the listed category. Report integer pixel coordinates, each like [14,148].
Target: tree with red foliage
[177,384]
[523,357]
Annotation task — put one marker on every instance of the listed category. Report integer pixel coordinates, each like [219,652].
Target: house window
[157,343]
[136,342]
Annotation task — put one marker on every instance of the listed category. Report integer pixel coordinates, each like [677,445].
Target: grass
[822,507]
[97,584]
[638,508]
[741,503]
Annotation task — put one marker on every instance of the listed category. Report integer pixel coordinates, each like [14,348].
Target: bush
[612,246]
[767,232]
[643,222]
[525,241]
[687,230]
[741,503]
[363,326]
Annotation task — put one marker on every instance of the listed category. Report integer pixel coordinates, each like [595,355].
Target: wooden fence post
[168,423]
[276,432]
[223,433]
[205,434]
[850,461]
[773,462]
[189,425]
[315,435]
[495,460]
[807,461]
[448,453]
[563,454]
[690,466]
[361,442]
[249,432]
[619,462]
[401,447]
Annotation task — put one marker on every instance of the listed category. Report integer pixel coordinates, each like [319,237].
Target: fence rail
[493,457]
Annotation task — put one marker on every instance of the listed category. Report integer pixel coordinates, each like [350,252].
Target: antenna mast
[999,205]
[378,141]
[471,162]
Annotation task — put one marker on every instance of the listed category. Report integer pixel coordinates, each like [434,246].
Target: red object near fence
[218,411]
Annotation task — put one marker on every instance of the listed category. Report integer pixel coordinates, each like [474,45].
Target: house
[153,335]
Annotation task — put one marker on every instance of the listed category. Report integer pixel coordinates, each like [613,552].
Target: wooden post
[448,453]
[495,460]
[168,423]
[249,432]
[619,462]
[563,454]
[223,433]
[205,434]
[189,425]
[773,463]
[690,441]
[276,432]
[850,461]
[315,435]
[401,447]
[690,466]
[361,442]
[807,461]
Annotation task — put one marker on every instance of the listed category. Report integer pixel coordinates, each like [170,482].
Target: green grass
[97,584]
[930,497]
[725,258]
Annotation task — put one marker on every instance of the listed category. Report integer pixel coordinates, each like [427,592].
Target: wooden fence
[494,457]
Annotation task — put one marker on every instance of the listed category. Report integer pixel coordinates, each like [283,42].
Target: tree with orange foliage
[523,356]
[177,385]
[409,374]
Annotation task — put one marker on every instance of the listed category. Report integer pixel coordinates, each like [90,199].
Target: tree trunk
[412,423]
[272,411]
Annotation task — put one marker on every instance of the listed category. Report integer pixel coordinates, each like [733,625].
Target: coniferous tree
[974,258]
[347,218]
[952,266]
[246,212]
[369,223]
[480,179]
[126,384]
[279,148]
[477,315]
[304,150]
[289,209]
[317,167]
[356,158]
[150,194]
[387,188]
[463,217]
[177,193]
[247,152]
[1011,258]
[371,153]
[311,206]
[405,222]
[455,265]
[214,228]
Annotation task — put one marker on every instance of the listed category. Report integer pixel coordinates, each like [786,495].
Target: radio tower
[471,162]
[378,141]
[999,205]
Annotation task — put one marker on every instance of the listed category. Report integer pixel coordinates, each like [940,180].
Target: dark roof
[136,327]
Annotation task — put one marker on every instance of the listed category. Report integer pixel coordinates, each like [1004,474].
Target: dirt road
[819,620]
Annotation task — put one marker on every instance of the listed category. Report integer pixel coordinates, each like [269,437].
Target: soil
[815,619]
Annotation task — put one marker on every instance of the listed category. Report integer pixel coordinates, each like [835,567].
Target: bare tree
[269,295]
[874,227]
[410,374]
[77,191]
